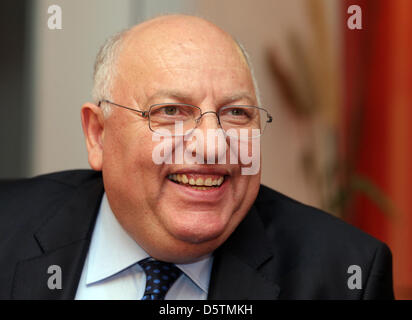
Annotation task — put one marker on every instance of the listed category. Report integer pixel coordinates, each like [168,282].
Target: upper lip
[201,170]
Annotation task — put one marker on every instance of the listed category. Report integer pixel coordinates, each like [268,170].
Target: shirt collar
[199,272]
[113,250]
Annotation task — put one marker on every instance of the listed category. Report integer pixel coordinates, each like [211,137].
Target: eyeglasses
[234,120]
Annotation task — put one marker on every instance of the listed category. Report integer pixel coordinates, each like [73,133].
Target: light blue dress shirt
[111,271]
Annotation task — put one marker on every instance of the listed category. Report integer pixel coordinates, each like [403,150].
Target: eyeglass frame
[146,114]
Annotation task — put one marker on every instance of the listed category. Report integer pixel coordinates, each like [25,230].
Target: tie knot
[160,276]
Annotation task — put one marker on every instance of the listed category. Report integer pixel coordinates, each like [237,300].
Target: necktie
[160,276]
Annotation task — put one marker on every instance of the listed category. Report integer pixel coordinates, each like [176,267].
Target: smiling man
[171,60]
[137,229]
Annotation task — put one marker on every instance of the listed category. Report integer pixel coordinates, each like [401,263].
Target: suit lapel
[64,240]
[235,274]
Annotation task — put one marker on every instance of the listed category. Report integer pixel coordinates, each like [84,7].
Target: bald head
[164,35]
[181,30]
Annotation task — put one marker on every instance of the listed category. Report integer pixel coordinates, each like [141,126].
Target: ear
[93,129]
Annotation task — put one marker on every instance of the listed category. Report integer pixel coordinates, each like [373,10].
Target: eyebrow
[179,95]
[170,94]
[240,96]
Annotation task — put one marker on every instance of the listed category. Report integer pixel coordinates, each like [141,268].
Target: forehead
[187,56]
[182,36]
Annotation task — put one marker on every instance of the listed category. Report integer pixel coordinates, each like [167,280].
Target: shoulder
[315,251]
[70,178]
[311,229]
[23,201]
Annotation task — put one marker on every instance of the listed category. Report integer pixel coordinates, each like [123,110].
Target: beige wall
[62,76]
[63,60]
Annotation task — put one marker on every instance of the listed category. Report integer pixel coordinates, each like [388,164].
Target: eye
[237,112]
[173,112]
[170,110]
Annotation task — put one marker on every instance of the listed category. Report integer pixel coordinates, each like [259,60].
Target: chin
[198,234]
[198,238]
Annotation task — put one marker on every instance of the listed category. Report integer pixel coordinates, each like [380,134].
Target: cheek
[127,158]
[140,171]
[128,145]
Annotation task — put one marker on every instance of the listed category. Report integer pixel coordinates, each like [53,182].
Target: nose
[214,147]
[207,121]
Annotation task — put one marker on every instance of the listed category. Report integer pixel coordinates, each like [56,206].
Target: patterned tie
[159,278]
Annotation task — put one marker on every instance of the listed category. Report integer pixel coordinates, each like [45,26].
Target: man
[136,229]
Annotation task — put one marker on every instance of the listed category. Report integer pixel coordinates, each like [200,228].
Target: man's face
[169,220]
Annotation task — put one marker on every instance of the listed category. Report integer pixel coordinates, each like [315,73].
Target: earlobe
[93,129]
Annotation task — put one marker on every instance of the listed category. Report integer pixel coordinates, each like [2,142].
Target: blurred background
[341,138]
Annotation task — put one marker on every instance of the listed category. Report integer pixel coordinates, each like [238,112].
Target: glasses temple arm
[144,114]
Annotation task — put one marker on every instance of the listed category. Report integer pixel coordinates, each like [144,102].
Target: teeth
[200,188]
[208,182]
[199,183]
[220,181]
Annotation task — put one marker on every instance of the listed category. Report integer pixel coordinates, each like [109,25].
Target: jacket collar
[64,240]
[236,270]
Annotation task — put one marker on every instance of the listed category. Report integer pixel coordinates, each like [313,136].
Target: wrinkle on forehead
[186,35]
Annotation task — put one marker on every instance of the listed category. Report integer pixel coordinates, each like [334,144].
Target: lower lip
[210,195]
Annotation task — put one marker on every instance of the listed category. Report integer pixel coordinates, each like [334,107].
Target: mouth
[198,181]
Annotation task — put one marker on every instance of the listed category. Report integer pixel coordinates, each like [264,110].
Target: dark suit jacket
[281,250]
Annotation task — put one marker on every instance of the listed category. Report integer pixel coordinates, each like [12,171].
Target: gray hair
[251,69]
[105,70]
